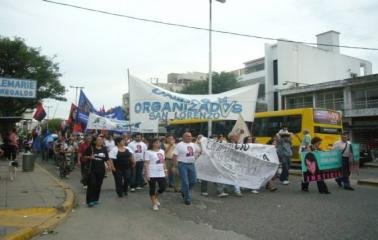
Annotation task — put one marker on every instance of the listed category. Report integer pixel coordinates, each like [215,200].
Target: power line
[202,28]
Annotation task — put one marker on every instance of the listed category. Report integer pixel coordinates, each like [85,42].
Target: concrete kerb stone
[368,181]
[62,211]
[295,172]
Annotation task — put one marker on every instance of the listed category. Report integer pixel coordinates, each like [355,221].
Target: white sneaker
[223,195]
[138,188]
[255,191]
[285,182]
[158,203]
[132,190]
[238,194]
[205,194]
[155,207]
[85,187]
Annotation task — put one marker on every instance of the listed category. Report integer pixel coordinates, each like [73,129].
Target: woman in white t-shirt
[155,171]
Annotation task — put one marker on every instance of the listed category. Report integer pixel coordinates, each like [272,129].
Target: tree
[54,125]
[222,82]
[17,60]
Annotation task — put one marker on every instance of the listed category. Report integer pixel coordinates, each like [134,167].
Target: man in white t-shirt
[138,148]
[346,150]
[184,157]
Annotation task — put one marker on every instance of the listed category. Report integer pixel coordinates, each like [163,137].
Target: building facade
[288,64]
[177,81]
[356,98]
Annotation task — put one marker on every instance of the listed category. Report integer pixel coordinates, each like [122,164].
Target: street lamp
[210,123]
[76,88]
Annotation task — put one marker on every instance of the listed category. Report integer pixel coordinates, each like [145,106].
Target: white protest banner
[245,165]
[102,123]
[150,104]
[18,88]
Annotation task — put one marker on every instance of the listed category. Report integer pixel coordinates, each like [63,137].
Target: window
[269,126]
[275,101]
[323,130]
[365,97]
[261,92]
[275,72]
[254,68]
[330,100]
[299,101]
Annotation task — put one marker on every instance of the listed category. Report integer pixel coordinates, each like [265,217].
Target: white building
[286,64]
[177,81]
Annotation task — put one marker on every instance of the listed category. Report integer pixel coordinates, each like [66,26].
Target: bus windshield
[269,126]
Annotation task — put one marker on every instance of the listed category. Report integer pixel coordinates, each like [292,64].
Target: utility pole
[76,88]
[210,123]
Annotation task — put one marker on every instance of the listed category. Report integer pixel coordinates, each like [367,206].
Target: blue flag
[116,113]
[84,108]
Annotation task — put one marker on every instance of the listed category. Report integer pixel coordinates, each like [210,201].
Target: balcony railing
[365,104]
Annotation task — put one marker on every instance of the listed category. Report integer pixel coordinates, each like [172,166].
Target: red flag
[40,113]
[77,128]
[72,116]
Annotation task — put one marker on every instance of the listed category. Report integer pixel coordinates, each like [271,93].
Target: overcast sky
[95,50]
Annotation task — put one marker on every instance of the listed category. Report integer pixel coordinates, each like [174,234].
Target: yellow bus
[326,124]
[323,123]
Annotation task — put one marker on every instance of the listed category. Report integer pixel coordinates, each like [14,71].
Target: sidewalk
[367,175]
[33,202]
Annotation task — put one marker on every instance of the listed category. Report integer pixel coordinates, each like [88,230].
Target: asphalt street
[285,214]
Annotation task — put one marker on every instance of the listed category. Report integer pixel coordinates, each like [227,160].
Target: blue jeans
[345,171]
[188,178]
[285,169]
[237,189]
[137,175]
[219,186]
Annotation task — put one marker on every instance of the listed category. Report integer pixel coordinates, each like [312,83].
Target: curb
[368,181]
[60,213]
[371,164]
[295,172]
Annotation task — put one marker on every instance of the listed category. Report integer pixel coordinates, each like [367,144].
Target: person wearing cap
[322,187]
[346,150]
[285,153]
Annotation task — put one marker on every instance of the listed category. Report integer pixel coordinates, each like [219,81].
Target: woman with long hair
[155,171]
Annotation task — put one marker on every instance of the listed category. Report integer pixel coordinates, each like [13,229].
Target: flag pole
[128,83]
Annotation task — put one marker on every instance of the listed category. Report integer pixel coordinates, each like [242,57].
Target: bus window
[269,126]
[323,130]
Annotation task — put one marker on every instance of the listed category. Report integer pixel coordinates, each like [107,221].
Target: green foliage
[17,60]
[54,124]
[222,82]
